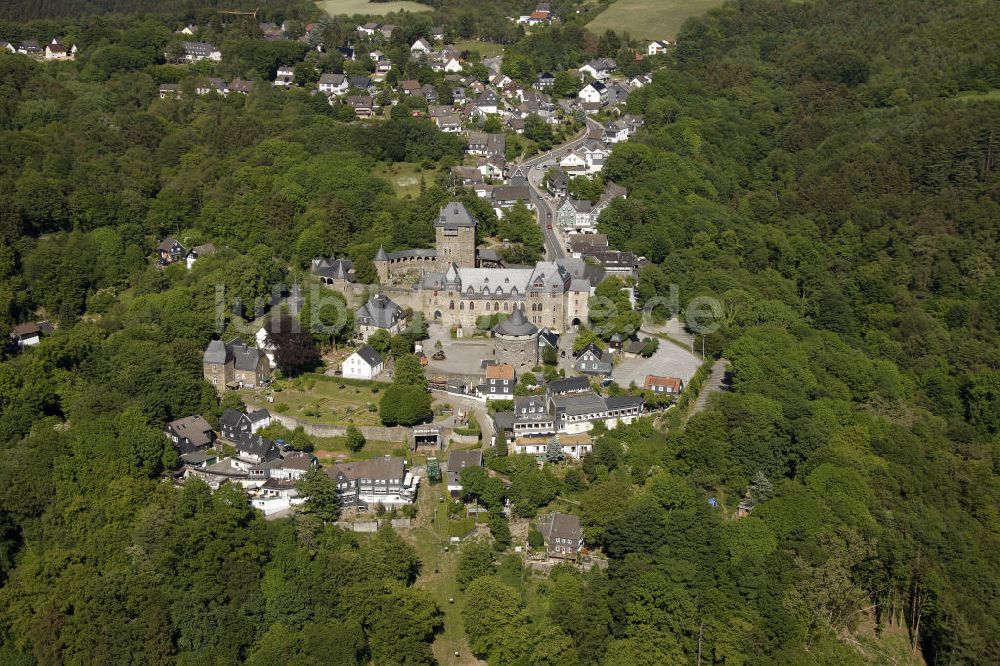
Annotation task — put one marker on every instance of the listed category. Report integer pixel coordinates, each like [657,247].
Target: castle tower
[382,265]
[455,233]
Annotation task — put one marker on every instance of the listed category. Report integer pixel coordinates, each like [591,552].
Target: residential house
[188,30]
[581,244]
[378,314]
[347,53]
[594,92]
[386,31]
[557,182]
[198,251]
[197,51]
[531,416]
[255,450]
[657,47]
[567,386]
[663,385]
[409,86]
[600,69]
[234,365]
[458,94]
[272,32]
[546,339]
[29,334]
[545,81]
[363,83]
[333,84]
[574,164]
[457,461]
[487,103]
[55,50]
[234,425]
[285,77]
[420,47]
[640,80]
[437,33]
[615,132]
[491,167]
[500,382]
[365,363]
[428,92]
[171,90]
[368,29]
[575,214]
[241,86]
[170,251]
[211,84]
[31,47]
[562,533]
[487,144]
[363,105]
[367,483]
[450,124]
[592,360]
[577,412]
[190,434]
[466,176]
[508,196]
[292,466]
[614,262]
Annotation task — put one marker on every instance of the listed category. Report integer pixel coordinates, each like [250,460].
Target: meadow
[650,19]
[335,7]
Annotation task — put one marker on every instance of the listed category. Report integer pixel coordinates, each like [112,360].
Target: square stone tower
[455,233]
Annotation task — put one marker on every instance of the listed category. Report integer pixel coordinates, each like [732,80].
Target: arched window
[451,306]
[487,306]
[472,305]
[461,306]
[505,306]
[496,306]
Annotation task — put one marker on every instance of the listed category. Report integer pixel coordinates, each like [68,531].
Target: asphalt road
[545,205]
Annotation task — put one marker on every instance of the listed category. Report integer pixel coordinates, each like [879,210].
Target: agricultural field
[650,19]
[335,7]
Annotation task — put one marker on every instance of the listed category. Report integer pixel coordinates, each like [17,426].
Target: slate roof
[216,353]
[622,401]
[568,385]
[459,460]
[561,526]
[193,428]
[516,325]
[455,214]
[380,311]
[579,403]
[369,355]
[258,445]
[388,468]
[244,357]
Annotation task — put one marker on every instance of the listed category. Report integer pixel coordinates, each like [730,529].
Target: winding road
[545,205]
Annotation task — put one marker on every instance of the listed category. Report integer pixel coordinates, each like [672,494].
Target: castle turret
[382,265]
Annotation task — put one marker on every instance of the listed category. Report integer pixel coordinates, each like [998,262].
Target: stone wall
[520,352]
[381,433]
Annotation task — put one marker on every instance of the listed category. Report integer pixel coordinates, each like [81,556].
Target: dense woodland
[827,170]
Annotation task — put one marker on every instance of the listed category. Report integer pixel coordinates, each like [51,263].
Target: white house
[420,47]
[284,77]
[594,93]
[574,164]
[365,363]
[196,51]
[600,69]
[615,132]
[333,84]
[657,46]
[452,65]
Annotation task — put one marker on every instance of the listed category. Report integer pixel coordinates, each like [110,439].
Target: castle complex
[449,284]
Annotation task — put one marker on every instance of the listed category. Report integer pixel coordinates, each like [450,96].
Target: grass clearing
[649,19]
[990,96]
[485,49]
[328,402]
[335,7]
[405,177]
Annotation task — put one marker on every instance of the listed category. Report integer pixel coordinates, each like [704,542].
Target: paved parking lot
[669,360]
[462,357]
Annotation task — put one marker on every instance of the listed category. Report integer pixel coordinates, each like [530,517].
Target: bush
[280,407]
[535,539]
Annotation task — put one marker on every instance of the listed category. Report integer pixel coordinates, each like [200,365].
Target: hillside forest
[827,170]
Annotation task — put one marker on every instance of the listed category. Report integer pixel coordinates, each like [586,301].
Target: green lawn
[485,49]
[321,401]
[649,19]
[405,177]
[991,96]
[335,7]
